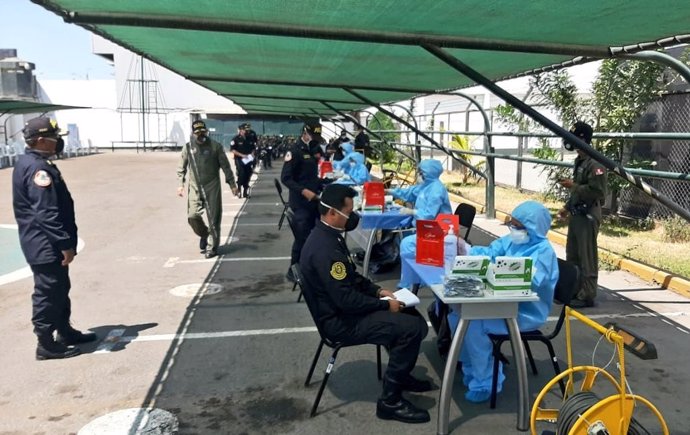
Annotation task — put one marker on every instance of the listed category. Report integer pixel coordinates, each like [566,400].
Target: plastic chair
[466,212]
[566,287]
[336,346]
[279,188]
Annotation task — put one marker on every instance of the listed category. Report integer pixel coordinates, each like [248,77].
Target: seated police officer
[347,307]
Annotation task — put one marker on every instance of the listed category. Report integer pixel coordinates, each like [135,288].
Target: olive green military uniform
[586,198]
[209,158]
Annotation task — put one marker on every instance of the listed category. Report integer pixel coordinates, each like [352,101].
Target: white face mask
[353,164]
[519,237]
[420,179]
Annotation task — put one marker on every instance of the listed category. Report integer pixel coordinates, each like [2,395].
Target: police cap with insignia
[199,127]
[243,126]
[582,130]
[41,127]
[314,130]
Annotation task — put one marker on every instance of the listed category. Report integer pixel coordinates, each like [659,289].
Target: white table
[487,307]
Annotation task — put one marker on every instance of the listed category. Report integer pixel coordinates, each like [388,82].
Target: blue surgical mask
[518,237]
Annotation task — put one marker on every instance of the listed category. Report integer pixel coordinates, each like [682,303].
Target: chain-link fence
[670,114]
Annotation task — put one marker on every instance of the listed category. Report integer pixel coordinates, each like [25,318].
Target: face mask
[352,220]
[519,237]
[420,179]
[353,164]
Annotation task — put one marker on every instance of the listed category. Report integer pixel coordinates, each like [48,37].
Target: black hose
[571,410]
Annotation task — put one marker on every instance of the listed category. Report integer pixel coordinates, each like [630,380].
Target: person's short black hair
[334,196]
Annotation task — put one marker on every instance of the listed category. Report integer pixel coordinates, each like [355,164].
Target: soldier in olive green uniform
[207,157]
[587,192]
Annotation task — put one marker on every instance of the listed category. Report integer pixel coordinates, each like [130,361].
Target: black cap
[247,126]
[198,126]
[583,131]
[314,129]
[243,126]
[343,132]
[41,126]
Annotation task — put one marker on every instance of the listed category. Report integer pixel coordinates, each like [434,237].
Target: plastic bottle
[450,250]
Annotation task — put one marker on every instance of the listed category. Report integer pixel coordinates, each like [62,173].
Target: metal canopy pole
[565,134]
[664,59]
[424,135]
[273,97]
[360,35]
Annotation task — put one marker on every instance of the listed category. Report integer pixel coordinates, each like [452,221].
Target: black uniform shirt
[338,294]
[241,145]
[300,171]
[43,208]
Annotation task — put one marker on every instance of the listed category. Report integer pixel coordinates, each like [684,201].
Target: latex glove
[463,247]
[408,211]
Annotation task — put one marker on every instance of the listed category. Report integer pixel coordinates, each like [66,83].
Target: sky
[59,50]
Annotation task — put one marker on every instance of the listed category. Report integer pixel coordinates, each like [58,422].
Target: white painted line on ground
[275,204]
[682,330]
[173,261]
[114,337]
[278,331]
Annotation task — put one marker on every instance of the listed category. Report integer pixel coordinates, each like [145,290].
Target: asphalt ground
[234,361]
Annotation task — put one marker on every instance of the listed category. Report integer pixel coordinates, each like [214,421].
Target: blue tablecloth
[388,220]
[427,274]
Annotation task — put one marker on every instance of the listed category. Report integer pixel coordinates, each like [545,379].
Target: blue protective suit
[359,172]
[430,198]
[476,353]
[343,165]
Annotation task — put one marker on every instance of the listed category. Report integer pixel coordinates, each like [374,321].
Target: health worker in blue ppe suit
[343,165]
[430,198]
[358,173]
[528,227]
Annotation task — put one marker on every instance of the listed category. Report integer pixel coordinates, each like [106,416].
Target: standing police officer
[587,192]
[44,211]
[362,142]
[300,174]
[205,157]
[347,307]
[242,147]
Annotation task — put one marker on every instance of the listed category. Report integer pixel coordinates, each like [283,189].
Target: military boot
[70,336]
[392,406]
[50,349]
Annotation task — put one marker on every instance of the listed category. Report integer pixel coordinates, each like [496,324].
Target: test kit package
[476,265]
[510,276]
[374,197]
[429,243]
[325,169]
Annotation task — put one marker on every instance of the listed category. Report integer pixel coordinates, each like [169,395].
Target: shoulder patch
[42,179]
[598,171]
[288,156]
[338,271]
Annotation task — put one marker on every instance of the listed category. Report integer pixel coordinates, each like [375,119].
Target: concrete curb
[665,279]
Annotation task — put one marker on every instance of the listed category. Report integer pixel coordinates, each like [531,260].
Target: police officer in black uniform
[362,143]
[44,211]
[347,307]
[300,174]
[241,148]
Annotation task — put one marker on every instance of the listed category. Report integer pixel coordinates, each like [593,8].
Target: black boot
[203,243]
[50,349]
[70,336]
[392,406]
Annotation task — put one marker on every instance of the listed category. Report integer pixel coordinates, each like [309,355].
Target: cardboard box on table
[510,276]
[475,265]
[374,197]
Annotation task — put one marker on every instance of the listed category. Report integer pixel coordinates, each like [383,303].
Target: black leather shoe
[579,303]
[75,337]
[211,253]
[416,385]
[401,410]
[55,350]
[203,244]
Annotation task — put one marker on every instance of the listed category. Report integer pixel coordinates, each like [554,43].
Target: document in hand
[406,297]
[248,159]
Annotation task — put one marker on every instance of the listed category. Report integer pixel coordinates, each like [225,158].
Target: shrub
[676,229]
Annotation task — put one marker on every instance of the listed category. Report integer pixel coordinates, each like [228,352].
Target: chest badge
[338,271]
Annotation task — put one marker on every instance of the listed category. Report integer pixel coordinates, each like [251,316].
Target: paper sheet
[406,297]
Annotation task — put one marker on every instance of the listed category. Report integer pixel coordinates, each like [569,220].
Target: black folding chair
[336,346]
[279,188]
[466,213]
[566,287]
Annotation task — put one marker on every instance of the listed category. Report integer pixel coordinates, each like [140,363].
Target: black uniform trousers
[303,222]
[244,173]
[402,333]
[51,304]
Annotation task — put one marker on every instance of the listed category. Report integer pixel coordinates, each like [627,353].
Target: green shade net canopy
[287,57]
[20,106]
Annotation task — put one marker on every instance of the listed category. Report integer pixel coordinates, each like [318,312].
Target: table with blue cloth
[477,308]
[370,223]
